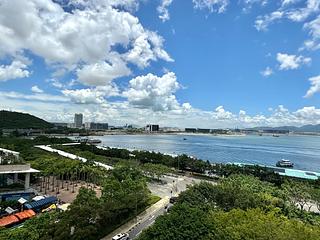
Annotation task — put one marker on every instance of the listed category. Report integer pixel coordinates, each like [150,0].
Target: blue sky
[204,63]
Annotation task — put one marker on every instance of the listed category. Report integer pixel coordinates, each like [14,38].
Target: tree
[299,193]
[183,222]
[79,222]
[241,191]
[155,170]
[256,224]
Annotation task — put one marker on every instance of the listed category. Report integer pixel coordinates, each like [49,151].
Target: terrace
[14,173]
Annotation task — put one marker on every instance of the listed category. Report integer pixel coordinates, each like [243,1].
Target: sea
[303,151]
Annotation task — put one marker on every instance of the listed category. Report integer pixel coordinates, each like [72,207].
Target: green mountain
[17,120]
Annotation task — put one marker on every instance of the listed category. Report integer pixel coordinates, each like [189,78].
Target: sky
[178,63]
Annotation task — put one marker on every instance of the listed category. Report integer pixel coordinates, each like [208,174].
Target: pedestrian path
[48,148]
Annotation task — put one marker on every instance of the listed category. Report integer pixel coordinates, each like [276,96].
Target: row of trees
[181,162]
[238,207]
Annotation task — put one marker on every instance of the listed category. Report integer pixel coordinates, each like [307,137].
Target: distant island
[304,128]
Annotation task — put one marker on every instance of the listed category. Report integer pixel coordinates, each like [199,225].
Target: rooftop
[287,172]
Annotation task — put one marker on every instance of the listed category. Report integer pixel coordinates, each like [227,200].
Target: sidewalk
[141,217]
[48,148]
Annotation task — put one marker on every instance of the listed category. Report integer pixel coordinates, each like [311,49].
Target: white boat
[284,163]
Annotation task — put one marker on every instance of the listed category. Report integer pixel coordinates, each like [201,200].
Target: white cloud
[36,89]
[59,108]
[288,2]
[315,86]
[291,61]
[17,69]
[248,4]
[289,11]
[154,92]
[262,23]
[147,46]
[34,97]
[102,73]
[308,114]
[87,35]
[163,10]
[314,30]
[267,72]
[301,14]
[96,95]
[221,114]
[218,6]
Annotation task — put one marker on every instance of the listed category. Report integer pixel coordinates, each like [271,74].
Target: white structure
[12,167]
[78,120]
[14,170]
[71,156]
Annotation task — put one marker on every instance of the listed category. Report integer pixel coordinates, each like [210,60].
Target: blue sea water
[303,151]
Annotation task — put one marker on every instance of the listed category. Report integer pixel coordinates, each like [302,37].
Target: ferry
[88,140]
[284,163]
[94,141]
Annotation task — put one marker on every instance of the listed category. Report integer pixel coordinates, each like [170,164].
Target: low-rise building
[152,128]
[14,173]
[96,126]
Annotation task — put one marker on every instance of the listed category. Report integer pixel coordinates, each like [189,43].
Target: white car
[121,236]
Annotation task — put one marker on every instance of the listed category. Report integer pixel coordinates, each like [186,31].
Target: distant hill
[305,128]
[17,120]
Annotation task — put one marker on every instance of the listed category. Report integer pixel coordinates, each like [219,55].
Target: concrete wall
[12,167]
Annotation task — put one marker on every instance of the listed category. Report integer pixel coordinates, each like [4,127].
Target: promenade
[71,156]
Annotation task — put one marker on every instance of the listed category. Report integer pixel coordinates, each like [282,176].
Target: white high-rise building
[78,120]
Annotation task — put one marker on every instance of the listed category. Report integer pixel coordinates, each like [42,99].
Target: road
[135,226]
[170,186]
[145,223]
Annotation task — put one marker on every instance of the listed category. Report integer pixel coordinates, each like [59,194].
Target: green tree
[155,170]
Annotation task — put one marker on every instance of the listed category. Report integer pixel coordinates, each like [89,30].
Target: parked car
[121,236]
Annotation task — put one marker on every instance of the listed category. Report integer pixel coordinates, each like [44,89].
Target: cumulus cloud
[289,62]
[163,10]
[218,6]
[17,69]
[267,72]
[87,35]
[102,73]
[315,86]
[59,108]
[96,95]
[221,114]
[151,91]
[147,46]
[36,89]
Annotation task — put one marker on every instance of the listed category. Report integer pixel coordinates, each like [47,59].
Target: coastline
[165,133]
